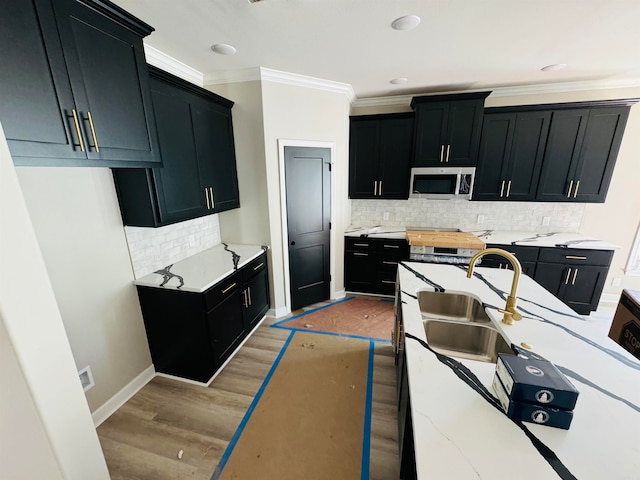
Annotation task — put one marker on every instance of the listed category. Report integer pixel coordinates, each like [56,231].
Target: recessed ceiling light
[553,67]
[223,49]
[398,81]
[406,23]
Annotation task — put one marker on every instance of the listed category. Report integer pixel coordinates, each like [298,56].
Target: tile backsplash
[463,214]
[154,248]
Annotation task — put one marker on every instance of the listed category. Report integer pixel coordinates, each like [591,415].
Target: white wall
[294,112]
[77,222]
[46,430]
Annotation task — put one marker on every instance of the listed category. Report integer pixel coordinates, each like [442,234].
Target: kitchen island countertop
[459,434]
[201,271]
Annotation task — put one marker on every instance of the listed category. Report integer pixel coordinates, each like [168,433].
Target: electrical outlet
[385,216]
[86,378]
[192,240]
[546,221]
[616,281]
[480,218]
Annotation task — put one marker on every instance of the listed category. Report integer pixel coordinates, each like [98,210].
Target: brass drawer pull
[93,131]
[229,287]
[375,188]
[448,151]
[566,280]
[575,257]
[258,266]
[77,124]
[360,244]
[509,189]
[213,202]
[502,189]
[573,280]
[249,290]
[389,263]
[570,187]
[389,281]
[206,195]
[244,299]
[441,153]
[361,254]
[391,246]
[575,192]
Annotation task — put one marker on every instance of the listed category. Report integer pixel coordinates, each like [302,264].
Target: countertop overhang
[201,271]
[459,434]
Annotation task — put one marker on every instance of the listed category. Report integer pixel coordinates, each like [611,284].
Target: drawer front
[398,249]
[575,256]
[222,290]
[254,267]
[357,244]
[522,253]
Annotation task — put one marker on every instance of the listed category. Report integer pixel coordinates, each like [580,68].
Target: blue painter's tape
[254,403]
[366,436]
[335,334]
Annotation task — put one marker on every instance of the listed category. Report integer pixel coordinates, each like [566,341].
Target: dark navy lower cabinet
[191,334]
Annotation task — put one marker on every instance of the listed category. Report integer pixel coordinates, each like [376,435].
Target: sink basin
[466,340]
[452,306]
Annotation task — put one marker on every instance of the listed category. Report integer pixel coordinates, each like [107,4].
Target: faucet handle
[508,316]
[516,314]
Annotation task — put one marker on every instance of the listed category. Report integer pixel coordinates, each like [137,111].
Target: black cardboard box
[625,329]
[529,412]
[533,381]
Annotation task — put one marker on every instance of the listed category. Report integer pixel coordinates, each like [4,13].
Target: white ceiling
[459,45]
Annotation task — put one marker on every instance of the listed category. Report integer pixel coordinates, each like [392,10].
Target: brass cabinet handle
[258,266]
[573,280]
[77,124]
[206,195]
[361,254]
[380,188]
[360,244]
[575,192]
[229,287]
[249,294]
[570,187]
[575,257]
[389,281]
[502,189]
[391,246]
[401,338]
[448,151]
[566,280]
[213,202]
[244,299]
[93,131]
[509,189]
[375,188]
[441,153]
[389,263]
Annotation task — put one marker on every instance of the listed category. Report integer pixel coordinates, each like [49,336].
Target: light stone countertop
[201,271]
[459,435]
[501,237]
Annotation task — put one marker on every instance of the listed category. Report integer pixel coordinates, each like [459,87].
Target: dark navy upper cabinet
[581,153]
[380,156]
[447,131]
[198,176]
[74,89]
[510,157]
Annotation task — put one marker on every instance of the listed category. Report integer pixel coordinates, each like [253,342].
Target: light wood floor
[142,439]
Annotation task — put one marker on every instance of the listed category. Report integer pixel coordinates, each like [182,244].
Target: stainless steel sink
[451,306]
[466,340]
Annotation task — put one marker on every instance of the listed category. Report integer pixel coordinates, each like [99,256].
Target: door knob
[293,242]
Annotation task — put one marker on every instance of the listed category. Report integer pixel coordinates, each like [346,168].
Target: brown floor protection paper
[358,316]
[309,422]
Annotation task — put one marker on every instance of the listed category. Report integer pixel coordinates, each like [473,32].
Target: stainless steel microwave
[442,182]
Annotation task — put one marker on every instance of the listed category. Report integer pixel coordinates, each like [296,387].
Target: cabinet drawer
[522,253]
[254,267]
[222,290]
[358,244]
[394,249]
[574,256]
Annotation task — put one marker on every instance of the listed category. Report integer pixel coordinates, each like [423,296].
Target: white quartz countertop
[201,271]
[501,237]
[459,434]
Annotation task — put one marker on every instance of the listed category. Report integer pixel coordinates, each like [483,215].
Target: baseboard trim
[114,403]
[339,295]
[278,312]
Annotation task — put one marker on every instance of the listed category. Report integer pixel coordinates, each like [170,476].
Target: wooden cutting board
[444,239]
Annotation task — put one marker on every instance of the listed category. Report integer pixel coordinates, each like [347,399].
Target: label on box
[532,413]
[625,328]
[536,382]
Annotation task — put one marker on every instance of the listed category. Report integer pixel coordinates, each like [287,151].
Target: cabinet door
[213,133]
[109,80]
[177,183]
[464,124]
[396,137]
[582,286]
[255,299]
[360,271]
[430,135]
[495,148]
[36,103]
[551,276]
[598,154]
[566,134]
[226,326]
[363,158]
[525,156]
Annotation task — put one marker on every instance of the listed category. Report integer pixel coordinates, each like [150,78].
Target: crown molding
[169,64]
[405,100]
[232,76]
[298,80]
